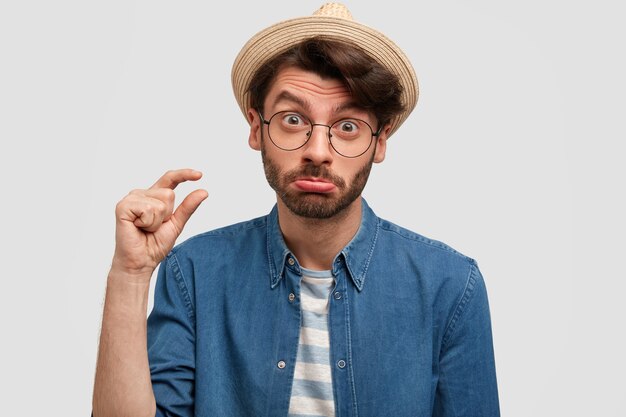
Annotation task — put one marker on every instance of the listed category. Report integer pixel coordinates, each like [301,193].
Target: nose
[317,150]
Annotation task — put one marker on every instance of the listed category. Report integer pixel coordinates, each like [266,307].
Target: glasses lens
[289,130]
[351,137]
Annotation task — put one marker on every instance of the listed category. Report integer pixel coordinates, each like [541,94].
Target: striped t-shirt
[312,392]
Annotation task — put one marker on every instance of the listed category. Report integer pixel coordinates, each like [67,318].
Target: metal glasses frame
[330,136]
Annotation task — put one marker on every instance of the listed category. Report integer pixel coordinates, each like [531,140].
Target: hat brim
[278,38]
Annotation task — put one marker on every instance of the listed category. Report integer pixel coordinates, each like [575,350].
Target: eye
[347,129]
[293,120]
[347,126]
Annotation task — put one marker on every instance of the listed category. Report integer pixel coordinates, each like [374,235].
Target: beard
[315,205]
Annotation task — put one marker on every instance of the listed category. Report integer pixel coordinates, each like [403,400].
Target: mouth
[314,185]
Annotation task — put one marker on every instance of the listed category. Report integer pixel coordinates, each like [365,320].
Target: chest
[383,344]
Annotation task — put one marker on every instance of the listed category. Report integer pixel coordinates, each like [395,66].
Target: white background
[513,156]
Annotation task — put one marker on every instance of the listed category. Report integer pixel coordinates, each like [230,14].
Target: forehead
[309,87]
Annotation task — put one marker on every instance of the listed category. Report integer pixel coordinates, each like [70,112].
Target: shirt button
[337,295]
[341,363]
[281,364]
[290,261]
[292,297]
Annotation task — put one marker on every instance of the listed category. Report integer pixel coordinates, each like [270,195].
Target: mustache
[310,170]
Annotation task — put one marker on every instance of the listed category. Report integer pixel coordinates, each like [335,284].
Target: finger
[166,195]
[150,215]
[143,212]
[172,178]
[187,208]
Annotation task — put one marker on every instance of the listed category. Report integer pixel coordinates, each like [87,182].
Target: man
[320,308]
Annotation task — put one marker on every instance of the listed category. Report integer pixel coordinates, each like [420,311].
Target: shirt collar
[356,255]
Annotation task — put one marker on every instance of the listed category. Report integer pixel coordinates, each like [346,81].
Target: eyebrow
[306,105]
[287,96]
[350,105]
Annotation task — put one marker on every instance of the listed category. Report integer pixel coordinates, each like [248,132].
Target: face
[313,181]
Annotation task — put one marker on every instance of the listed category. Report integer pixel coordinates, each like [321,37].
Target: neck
[316,242]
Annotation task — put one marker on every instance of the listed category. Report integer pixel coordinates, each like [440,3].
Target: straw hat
[332,20]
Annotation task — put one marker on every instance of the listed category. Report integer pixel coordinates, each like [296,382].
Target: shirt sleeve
[467,376]
[171,342]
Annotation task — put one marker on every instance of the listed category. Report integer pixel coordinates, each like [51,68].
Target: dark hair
[373,87]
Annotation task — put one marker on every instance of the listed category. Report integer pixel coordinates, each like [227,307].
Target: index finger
[172,178]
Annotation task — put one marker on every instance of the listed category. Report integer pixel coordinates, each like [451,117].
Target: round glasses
[290,130]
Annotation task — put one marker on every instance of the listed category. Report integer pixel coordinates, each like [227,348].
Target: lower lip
[314,186]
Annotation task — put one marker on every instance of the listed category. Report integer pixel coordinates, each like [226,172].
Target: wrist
[138,276]
[129,282]
[127,293]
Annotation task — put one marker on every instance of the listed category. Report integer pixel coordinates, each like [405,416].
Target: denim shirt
[409,326]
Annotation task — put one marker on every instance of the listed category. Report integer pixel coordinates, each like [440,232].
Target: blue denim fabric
[410,332]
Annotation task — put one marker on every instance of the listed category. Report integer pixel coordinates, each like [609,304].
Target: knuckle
[124,203]
[119,207]
[169,195]
[161,208]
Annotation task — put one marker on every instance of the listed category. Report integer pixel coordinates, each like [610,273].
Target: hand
[147,225]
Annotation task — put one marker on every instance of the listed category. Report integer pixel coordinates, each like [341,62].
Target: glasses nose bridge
[328,134]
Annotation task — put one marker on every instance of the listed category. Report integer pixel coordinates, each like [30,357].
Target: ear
[254,140]
[381,145]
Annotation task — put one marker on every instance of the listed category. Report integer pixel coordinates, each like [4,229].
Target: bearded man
[320,308]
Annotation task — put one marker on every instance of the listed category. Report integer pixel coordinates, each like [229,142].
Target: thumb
[187,208]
